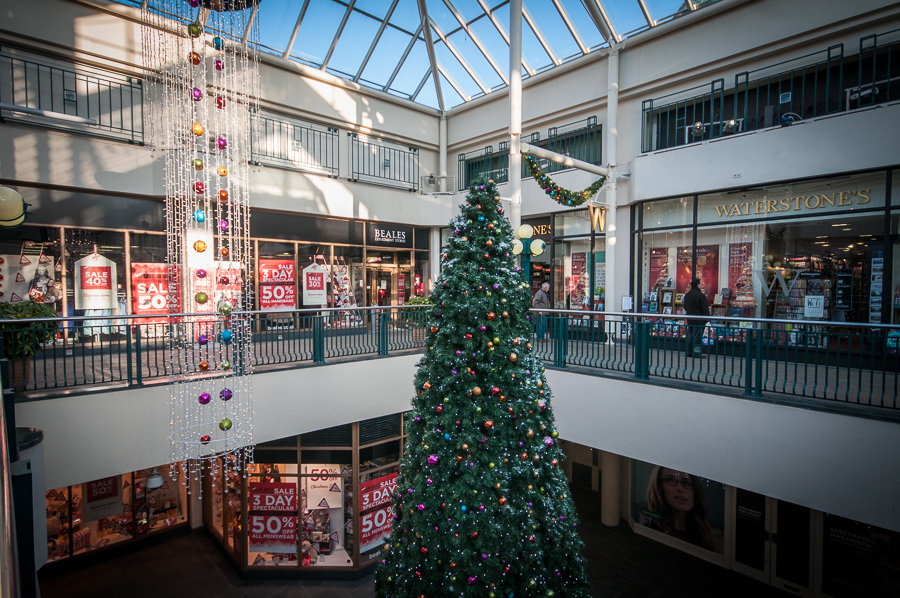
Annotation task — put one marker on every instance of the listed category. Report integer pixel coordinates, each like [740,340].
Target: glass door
[380,287]
[772,541]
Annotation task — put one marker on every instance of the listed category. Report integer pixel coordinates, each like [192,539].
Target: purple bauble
[432,459]
[219,65]
[204,398]
[472,581]
[222,143]
[202,340]
[225,394]
[548,441]
[196,94]
[193,3]
[223,225]
[201,273]
[421,507]
[496,286]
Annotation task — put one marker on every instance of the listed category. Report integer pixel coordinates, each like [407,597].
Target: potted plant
[22,339]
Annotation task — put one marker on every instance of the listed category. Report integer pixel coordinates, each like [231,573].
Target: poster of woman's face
[679,504]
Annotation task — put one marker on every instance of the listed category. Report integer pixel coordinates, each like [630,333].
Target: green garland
[563,197]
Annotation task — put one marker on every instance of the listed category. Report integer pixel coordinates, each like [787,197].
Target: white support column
[515,112]
[612,133]
[442,151]
[610,465]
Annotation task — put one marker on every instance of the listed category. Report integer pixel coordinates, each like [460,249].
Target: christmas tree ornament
[195,58]
[222,171]
[202,339]
[218,43]
[197,129]
[219,65]
[201,297]
[513,357]
[196,94]
[221,143]
[204,398]
[223,196]
[199,188]
[225,424]
[205,439]
[197,163]
[199,216]
[225,394]
[223,226]
[194,30]
[225,365]
[224,252]
[225,307]
[476,391]
[203,366]
[225,336]
[220,102]
[201,273]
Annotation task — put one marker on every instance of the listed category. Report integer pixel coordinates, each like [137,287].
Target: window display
[272,505]
[327,515]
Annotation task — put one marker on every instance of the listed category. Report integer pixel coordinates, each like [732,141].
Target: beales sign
[379,233]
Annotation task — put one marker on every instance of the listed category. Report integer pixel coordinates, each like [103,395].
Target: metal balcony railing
[878,71]
[819,362]
[381,164]
[45,90]
[296,146]
[673,122]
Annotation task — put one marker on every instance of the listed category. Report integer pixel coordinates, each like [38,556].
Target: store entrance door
[380,287]
[772,541]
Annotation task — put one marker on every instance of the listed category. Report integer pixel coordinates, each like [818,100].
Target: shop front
[822,249]
[314,502]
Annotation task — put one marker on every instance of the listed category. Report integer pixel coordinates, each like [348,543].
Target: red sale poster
[273,497]
[659,267]
[150,292]
[377,492]
[273,533]
[101,498]
[276,284]
[276,271]
[707,270]
[375,527]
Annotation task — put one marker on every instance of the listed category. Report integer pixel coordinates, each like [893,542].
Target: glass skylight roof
[381,43]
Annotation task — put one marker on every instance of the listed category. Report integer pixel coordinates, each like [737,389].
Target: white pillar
[442,151]
[610,470]
[515,112]
[612,132]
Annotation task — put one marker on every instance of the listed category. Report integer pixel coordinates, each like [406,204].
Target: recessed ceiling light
[845,229]
[844,224]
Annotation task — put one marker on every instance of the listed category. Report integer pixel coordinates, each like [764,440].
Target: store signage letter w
[779,278]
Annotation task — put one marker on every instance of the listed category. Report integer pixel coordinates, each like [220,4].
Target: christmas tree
[483,507]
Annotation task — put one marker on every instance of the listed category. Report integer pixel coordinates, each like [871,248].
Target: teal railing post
[748,362]
[383,320]
[318,339]
[137,352]
[757,388]
[642,350]
[561,341]
[128,363]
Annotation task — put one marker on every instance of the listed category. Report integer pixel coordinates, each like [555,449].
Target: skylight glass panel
[406,16]
[441,15]
[355,41]
[626,15]
[428,95]
[376,8]
[276,23]
[459,74]
[413,69]
[475,59]
[384,58]
[660,9]
[582,22]
[532,50]
[451,98]
[492,41]
[552,27]
[468,9]
[320,23]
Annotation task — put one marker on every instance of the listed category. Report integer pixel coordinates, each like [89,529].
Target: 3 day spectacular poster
[707,269]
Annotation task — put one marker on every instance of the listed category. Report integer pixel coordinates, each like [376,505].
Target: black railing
[36,83]
[471,165]
[381,164]
[808,86]
[296,146]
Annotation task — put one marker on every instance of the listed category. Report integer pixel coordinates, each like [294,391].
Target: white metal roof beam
[249,26]
[458,56]
[476,41]
[647,14]
[453,84]
[421,84]
[400,62]
[337,35]
[537,33]
[601,21]
[381,29]
[502,33]
[565,17]
[429,44]
[690,5]
[290,45]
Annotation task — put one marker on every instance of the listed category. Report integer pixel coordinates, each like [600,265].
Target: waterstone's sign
[392,235]
[760,207]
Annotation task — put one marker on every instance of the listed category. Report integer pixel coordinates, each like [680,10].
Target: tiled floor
[621,565]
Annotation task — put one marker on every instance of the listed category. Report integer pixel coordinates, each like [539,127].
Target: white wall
[833,463]
[91,436]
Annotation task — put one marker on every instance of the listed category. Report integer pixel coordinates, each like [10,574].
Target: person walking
[541,301]
[695,304]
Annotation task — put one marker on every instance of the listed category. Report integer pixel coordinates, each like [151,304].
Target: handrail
[9,558]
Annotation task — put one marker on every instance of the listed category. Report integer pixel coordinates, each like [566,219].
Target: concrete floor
[621,564]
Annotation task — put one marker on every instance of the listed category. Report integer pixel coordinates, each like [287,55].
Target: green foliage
[483,508]
[21,339]
[561,195]
[416,300]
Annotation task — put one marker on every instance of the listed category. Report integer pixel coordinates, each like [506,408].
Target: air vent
[336,436]
[372,430]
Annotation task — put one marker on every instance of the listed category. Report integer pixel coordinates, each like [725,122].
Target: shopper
[541,301]
[695,304]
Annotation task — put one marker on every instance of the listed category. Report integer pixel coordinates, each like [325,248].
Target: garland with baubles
[562,196]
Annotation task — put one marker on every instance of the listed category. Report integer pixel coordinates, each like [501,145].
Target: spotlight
[154,481]
[13,209]
[698,129]
[431,179]
[730,127]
